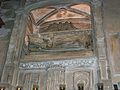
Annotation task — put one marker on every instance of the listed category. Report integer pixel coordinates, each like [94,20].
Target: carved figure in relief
[86,40]
[51,41]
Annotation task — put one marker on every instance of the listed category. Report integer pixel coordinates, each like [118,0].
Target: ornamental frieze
[81,62]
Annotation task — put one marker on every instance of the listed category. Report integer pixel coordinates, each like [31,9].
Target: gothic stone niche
[59,30]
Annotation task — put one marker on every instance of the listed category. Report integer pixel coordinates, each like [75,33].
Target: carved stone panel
[61,41]
[82,77]
[55,78]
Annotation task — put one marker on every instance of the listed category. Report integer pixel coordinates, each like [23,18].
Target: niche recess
[66,30]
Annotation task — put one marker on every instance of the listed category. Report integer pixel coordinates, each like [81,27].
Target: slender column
[45,79]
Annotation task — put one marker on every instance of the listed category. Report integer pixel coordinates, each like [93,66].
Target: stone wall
[112,28]
[7,13]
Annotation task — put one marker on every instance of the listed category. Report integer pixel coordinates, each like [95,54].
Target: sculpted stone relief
[65,25]
[61,26]
[62,41]
[53,78]
[82,77]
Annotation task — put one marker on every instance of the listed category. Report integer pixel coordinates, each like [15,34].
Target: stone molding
[81,62]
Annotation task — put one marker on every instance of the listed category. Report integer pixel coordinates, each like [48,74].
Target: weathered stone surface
[9,13]
[9,24]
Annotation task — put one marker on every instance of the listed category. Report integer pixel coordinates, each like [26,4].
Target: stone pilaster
[103,62]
